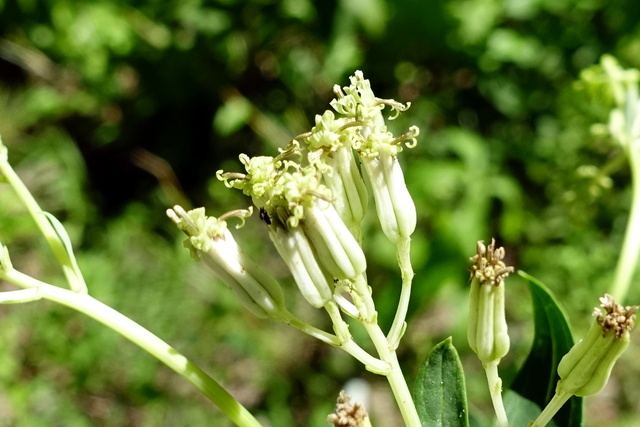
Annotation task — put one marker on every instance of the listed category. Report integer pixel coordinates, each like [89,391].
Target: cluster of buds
[313,206]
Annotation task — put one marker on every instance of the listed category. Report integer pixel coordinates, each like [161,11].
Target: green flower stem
[312,331]
[558,400]
[363,290]
[630,253]
[143,338]
[495,389]
[373,364]
[395,377]
[404,261]
[74,278]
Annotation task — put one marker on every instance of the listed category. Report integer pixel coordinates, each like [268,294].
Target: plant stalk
[630,252]
[395,377]
[140,336]
[551,409]
[404,261]
[495,389]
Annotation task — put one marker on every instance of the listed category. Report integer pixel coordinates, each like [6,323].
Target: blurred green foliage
[93,94]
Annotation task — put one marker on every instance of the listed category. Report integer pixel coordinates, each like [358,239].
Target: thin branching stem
[142,337]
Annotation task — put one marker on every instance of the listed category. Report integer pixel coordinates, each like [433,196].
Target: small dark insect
[265,216]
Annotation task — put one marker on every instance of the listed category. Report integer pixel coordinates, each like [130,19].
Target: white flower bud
[348,190]
[297,252]
[394,205]
[210,241]
[337,249]
[487,333]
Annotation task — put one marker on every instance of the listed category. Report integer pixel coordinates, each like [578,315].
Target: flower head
[487,333]
[348,414]
[614,317]
[488,264]
[209,239]
[586,368]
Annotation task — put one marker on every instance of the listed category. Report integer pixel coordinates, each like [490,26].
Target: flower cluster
[313,196]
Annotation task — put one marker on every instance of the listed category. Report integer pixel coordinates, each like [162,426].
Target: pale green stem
[373,364]
[302,326]
[20,296]
[367,307]
[630,252]
[399,325]
[74,278]
[141,337]
[495,389]
[396,379]
[558,400]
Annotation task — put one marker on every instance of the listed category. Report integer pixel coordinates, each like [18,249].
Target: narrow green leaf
[67,258]
[440,391]
[538,377]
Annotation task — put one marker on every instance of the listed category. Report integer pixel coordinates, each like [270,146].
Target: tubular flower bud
[378,150]
[295,249]
[487,333]
[347,187]
[330,149]
[210,240]
[394,205]
[338,250]
[586,368]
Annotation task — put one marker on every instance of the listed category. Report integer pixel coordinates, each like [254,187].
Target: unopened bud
[296,251]
[586,368]
[487,333]
[210,241]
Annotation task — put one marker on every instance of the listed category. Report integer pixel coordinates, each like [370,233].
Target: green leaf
[440,391]
[520,410]
[231,116]
[68,258]
[538,377]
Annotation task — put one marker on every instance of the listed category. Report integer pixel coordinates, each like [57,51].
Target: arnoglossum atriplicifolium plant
[312,197]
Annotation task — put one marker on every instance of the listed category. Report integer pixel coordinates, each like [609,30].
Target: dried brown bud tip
[347,414]
[488,265]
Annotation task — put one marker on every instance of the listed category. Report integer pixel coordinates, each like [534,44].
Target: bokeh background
[115,110]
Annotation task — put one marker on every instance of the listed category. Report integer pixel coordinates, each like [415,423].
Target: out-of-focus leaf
[538,376]
[440,392]
[520,410]
[232,116]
